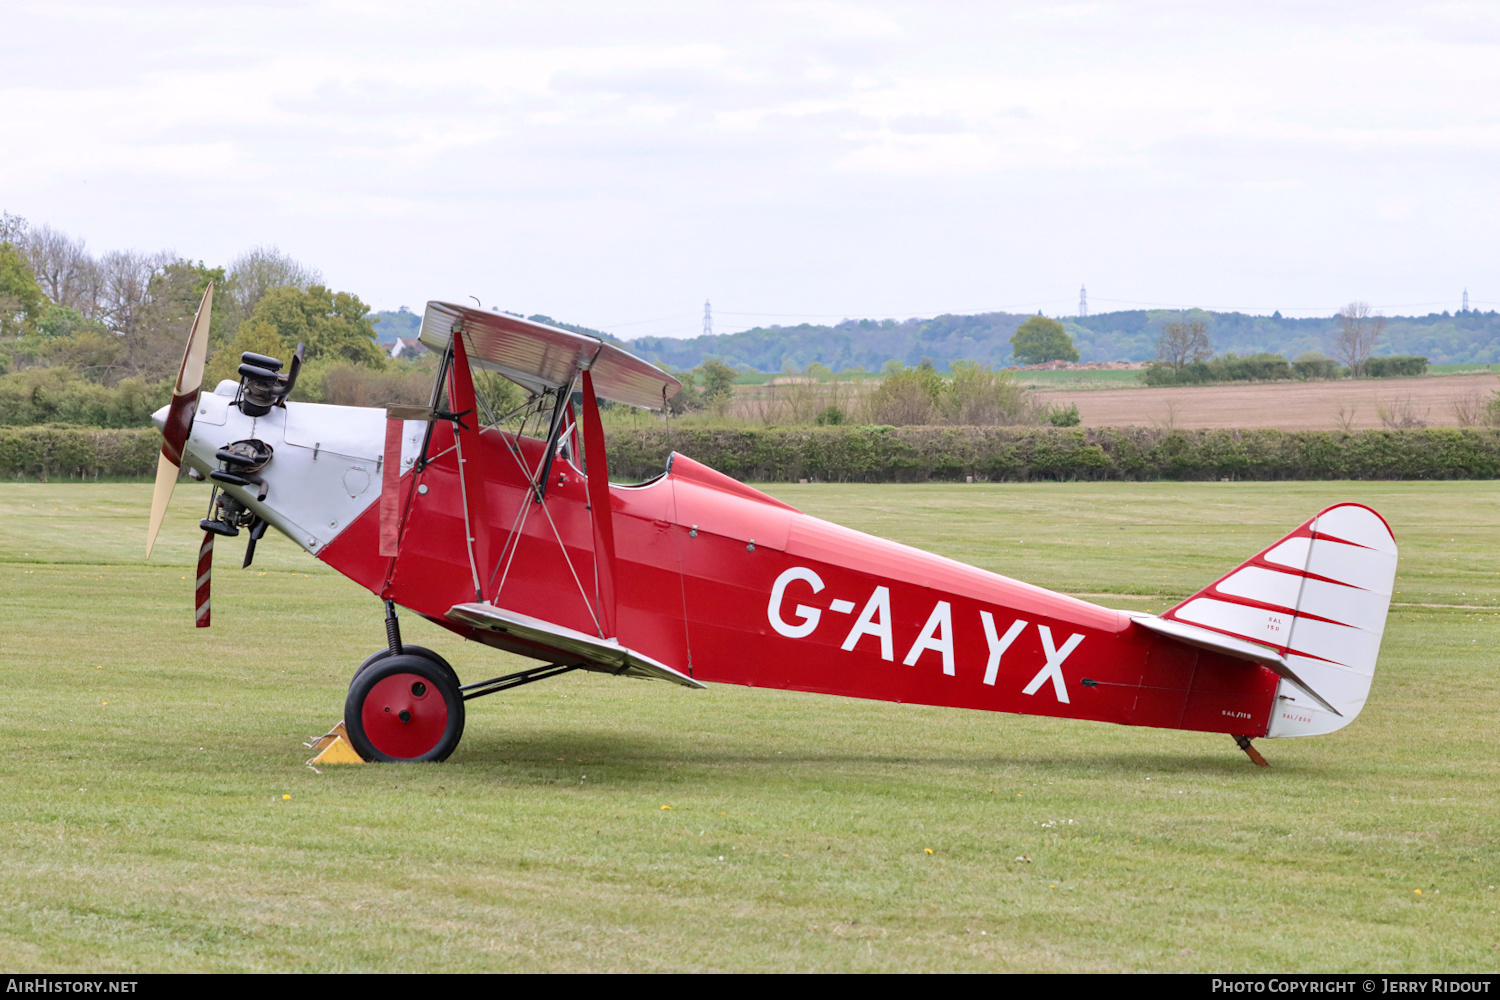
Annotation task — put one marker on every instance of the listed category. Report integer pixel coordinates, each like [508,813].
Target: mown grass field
[1462,369]
[159,816]
[1084,379]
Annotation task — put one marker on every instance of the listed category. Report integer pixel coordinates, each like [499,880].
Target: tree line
[1125,335]
[97,339]
[1184,355]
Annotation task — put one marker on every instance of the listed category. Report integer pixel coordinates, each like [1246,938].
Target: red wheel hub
[404,715]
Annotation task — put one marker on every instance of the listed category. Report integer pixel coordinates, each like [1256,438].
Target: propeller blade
[180,416]
[205,576]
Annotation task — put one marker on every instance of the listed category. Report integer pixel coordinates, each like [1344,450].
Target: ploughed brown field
[1435,401]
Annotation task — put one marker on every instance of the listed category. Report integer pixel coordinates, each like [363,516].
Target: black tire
[409,650]
[404,708]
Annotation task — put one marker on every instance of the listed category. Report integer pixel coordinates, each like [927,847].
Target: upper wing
[539,357]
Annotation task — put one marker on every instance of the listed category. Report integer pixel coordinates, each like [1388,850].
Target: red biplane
[505,529]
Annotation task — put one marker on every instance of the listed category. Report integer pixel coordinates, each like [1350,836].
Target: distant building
[392,324]
[409,346]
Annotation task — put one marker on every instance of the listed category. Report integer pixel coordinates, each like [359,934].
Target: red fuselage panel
[722,583]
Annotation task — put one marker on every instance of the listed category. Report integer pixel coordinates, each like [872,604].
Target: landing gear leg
[395,647]
[392,629]
[1251,752]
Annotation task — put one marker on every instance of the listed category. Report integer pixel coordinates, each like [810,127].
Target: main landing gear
[404,707]
[409,650]
[405,702]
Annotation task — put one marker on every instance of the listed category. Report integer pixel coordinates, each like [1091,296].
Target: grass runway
[159,816]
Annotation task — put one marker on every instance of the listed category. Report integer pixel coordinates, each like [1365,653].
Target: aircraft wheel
[409,650]
[404,708]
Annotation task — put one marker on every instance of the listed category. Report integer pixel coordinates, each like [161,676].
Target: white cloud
[817,155]
[847,19]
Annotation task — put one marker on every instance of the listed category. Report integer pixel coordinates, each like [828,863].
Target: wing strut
[461,401]
[554,438]
[603,516]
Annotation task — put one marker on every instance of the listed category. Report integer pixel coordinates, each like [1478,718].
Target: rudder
[1319,596]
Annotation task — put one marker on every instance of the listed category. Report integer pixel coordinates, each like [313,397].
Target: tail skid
[1319,598]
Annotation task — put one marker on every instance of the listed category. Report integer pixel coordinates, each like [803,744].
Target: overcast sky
[616,164]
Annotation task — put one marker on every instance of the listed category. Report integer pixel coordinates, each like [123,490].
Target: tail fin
[1319,597]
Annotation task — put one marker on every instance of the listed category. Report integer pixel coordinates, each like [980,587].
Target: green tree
[1491,412]
[978,396]
[90,353]
[155,338]
[21,298]
[257,271]
[717,380]
[60,321]
[907,395]
[57,396]
[1183,342]
[183,283]
[1062,416]
[687,398]
[413,376]
[333,325]
[255,335]
[1041,339]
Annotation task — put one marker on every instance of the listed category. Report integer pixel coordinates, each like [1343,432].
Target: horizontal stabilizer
[1218,642]
[567,645]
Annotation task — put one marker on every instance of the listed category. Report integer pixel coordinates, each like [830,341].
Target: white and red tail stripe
[205,573]
[1319,597]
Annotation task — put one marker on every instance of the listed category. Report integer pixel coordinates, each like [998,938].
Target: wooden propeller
[179,424]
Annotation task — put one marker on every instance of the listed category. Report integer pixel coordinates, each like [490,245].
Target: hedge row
[911,454]
[77,453]
[1396,366]
[1232,368]
[1020,454]
[1274,367]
